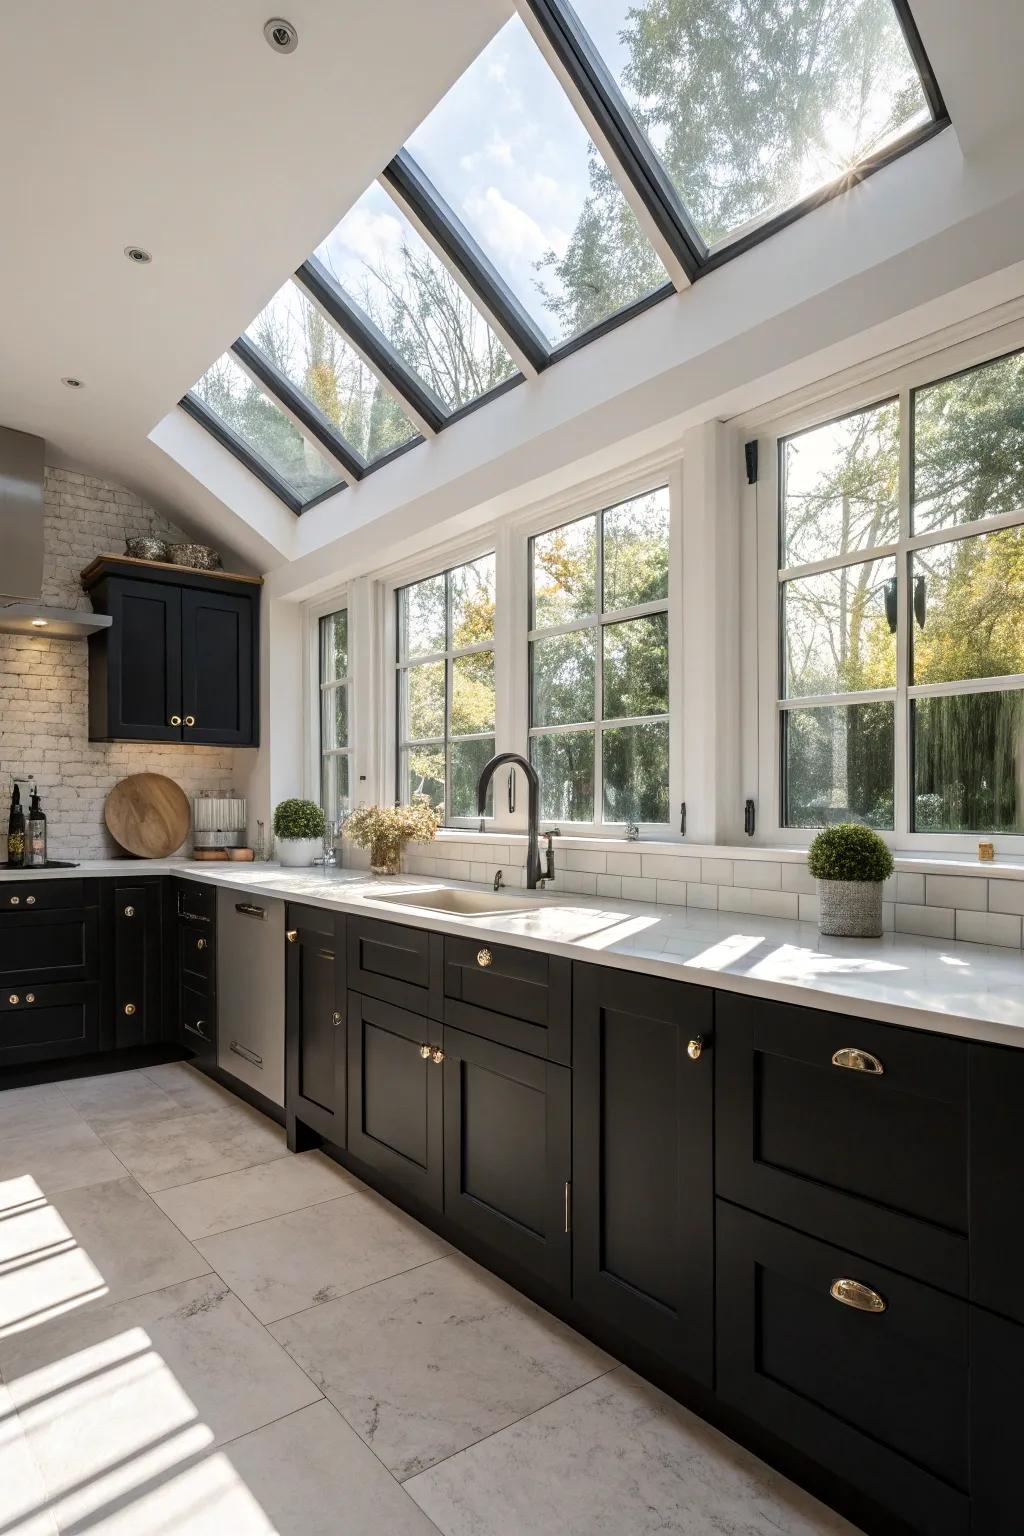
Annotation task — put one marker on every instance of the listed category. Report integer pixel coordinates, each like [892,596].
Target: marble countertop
[952,988]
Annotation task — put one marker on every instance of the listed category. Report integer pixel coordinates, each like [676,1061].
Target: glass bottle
[35,834]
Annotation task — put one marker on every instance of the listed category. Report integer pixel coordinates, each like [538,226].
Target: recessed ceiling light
[281,35]
[72,383]
[137,254]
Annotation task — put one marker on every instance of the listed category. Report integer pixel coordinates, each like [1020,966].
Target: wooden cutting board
[148,815]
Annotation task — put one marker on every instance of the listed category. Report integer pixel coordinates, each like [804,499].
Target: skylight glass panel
[507,152]
[293,334]
[227,391]
[753,106]
[384,265]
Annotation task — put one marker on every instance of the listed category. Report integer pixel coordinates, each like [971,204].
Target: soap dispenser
[35,834]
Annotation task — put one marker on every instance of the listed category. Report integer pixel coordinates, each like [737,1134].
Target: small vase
[297,852]
[850,909]
[385,859]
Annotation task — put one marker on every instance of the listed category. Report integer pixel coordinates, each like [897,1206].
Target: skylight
[507,152]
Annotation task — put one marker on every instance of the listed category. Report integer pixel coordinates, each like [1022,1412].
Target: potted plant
[298,831]
[849,862]
[385,830]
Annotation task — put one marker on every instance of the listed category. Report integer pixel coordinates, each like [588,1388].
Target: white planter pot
[297,852]
[850,909]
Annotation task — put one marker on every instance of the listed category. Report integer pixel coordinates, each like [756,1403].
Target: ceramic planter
[297,852]
[850,909]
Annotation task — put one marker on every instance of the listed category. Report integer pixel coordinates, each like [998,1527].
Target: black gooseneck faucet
[534,874]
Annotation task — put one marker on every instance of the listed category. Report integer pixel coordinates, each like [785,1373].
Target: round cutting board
[148,815]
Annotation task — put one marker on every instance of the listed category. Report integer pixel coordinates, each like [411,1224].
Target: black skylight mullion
[242,452]
[929,84]
[461,251]
[360,330]
[304,412]
[602,98]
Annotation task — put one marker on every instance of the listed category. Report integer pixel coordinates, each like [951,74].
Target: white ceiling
[171,124]
[174,126]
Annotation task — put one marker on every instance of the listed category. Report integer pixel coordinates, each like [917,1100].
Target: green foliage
[849,851]
[298,818]
[385,829]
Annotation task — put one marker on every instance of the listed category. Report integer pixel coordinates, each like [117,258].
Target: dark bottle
[16,832]
[35,834]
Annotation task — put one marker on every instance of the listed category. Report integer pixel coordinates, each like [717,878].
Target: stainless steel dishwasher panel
[250,991]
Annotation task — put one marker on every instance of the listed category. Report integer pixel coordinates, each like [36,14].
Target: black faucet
[534,874]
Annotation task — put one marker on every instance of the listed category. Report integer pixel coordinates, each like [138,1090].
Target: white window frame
[313,691]
[932,364]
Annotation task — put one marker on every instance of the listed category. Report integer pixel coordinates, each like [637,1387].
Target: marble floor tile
[190,1089]
[43,1159]
[30,1108]
[310,1257]
[431,1361]
[180,1149]
[616,1456]
[305,1475]
[113,1096]
[118,1399]
[254,1194]
[23,1504]
[81,1247]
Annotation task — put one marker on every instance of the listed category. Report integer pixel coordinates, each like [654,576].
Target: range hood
[22,610]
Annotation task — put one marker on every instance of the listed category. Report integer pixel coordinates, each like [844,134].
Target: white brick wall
[44,684]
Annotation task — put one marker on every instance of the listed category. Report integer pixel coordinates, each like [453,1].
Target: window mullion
[902,788]
[599,681]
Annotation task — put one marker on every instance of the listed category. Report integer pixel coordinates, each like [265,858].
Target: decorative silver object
[145,546]
[218,821]
[850,909]
[199,556]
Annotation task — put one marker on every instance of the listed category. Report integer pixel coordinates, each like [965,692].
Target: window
[750,108]
[599,667]
[335,745]
[865,563]
[293,335]
[266,432]
[507,152]
[446,695]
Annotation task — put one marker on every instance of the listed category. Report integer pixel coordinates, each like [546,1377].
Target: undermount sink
[460,903]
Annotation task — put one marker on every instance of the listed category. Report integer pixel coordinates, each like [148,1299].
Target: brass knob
[15,901]
[200,943]
[694,1047]
[30,997]
[129,1009]
[30,901]
[292,935]
[190,719]
[484,957]
[14,999]
[857,1061]
[175,720]
[852,1293]
[425,1052]
[437,1055]
[338,1017]
[129,911]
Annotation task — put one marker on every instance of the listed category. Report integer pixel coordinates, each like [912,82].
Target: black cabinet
[316,1077]
[864,1370]
[138,989]
[395,1091]
[997,1391]
[45,1022]
[51,977]
[396,964]
[643,1211]
[190,951]
[519,997]
[507,1155]
[180,661]
[997,1179]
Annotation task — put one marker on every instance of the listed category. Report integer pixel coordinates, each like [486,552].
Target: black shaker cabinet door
[315,1049]
[642,1173]
[218,636]
[139,658]
[507,1155]
[395,1094]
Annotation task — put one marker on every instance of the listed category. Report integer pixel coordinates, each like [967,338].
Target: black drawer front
[880,1398]
[198,1023]
[518,997]
[43,1022]
[195,955]
[195,901]
[399,965]
[873,1161]
[44,895]
[47,946]
[997,1178]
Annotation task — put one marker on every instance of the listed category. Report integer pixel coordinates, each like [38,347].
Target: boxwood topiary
[849,851]
[298,818]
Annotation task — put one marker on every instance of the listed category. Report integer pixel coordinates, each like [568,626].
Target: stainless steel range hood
[22,611]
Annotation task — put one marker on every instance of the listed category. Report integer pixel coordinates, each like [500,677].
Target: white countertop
[961,989]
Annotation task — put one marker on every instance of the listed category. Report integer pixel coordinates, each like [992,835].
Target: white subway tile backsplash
[797,877]
[808,912]
[989,928]
[659,866]
[1006,896]
[672,892]
[593,863]
[888,916]
[700,895]
[931,922]
[578,882]
[634,889]
[733,898]
[717,872]
[758,875]
[910,888]
[625,864]
[609,885]
[774,903]
[967,891]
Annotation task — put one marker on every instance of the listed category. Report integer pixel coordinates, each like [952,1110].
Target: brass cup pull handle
[852,1293]
[437,1055]
[695,1047]
[425,1052]
[129,1009]
[129,911]
[30,901]
[292,935]
[856,1060]
[190,719]
[174,720]
[484,957]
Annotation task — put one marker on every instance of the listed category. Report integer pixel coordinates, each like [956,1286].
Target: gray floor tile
[255,1194]
[310,1257]
[23,1504]
[190,1089]
[180,1149]
[32,1108]
[44,1158]
[114,1096]
[431,1361]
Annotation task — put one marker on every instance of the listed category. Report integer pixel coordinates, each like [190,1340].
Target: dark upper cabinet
[508,1156]
[315,1028]
[395,1094]
[643,1211]
[180,661]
